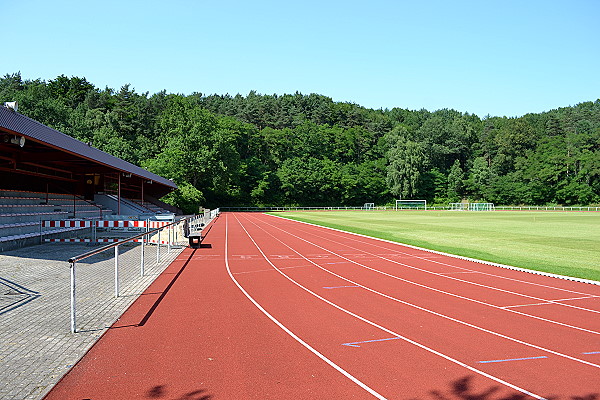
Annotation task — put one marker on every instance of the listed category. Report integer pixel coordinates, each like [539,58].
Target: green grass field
[565,243]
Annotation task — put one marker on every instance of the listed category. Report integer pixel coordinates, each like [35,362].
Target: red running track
[277,309]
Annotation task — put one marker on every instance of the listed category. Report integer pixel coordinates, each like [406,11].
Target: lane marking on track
[269,270]
[286,330]
[592,352]
[511,359]
[336,287]
[355,344]
[395,334]
[349,236]
[459,272]
[245,256]
[552,302]
[526,305]
[457,279]
[432,288]
[405,302]
[578,298]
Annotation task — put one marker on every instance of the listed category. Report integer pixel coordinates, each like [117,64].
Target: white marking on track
[416,306]
[349,235]
[286,330]
[578,298]
[526,305]
[422,346]
[434,289]
[459,272]
[269,270]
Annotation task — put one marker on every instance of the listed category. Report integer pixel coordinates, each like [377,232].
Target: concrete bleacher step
[29,235]
[21,214]
[18,228]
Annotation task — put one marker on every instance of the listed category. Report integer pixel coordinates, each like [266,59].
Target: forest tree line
[296,149]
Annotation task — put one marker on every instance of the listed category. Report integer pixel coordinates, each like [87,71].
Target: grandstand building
[48,175]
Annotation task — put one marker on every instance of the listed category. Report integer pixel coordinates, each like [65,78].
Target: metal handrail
[73,261]
[114,244]
[190,221]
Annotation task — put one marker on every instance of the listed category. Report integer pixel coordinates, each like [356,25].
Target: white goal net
[481,207]
[471,206]
[411,204]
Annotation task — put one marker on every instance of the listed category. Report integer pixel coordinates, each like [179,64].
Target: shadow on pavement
[13,295]
[463,389]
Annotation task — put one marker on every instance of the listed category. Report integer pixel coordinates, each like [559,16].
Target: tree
[406,162]
[479,178]
[455,181]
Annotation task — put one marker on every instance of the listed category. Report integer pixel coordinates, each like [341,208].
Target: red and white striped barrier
[158,224]
[67,224]
[120,224]
[82,240]
[104,224]
[153,241]
[101,240]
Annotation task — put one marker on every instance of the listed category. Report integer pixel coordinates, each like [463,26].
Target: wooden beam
[38,174]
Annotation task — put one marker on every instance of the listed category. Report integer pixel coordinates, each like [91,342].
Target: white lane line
[395,334]
[457,279]
[577,298]
[336,287]
[286,330]
[423,308]
[526,305]
[439,290]
[466,281]
[459,272]
[349,236]
[511,359]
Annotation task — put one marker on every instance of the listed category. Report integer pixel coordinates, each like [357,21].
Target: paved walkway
[36,346]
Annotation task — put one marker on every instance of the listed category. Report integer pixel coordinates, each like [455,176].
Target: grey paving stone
[36,346]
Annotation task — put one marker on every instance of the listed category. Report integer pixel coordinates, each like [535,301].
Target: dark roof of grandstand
[36,131]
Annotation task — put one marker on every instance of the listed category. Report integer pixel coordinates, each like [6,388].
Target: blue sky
[484,57]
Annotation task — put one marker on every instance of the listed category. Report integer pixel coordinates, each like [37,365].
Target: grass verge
[564,243]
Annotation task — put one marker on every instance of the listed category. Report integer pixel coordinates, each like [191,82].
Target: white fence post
[116,271]
[73,298]
[142,257]
[158,247]
[168,239]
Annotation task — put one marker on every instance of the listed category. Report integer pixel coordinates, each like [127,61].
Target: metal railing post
[116,271]
[73,322]
[145,237]
[169,239]
[142,258]
[158,247]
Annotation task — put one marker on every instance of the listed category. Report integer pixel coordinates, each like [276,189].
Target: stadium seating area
[21,213]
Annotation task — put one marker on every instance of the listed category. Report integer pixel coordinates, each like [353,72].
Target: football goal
[471,206]
[369,206]
[411,204]
[481,207]
[458,206]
